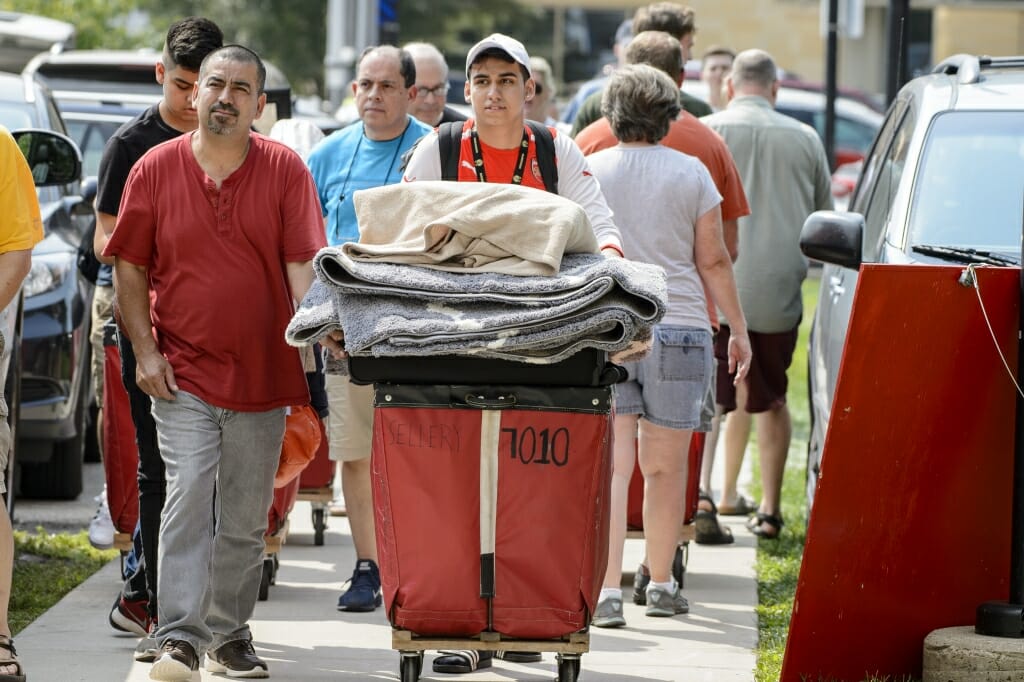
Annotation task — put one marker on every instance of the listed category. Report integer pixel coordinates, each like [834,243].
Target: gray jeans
[211,546]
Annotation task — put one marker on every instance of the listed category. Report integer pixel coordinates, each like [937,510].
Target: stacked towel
[386,309]
[496,271]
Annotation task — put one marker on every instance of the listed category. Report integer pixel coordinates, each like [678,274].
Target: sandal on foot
[743,506]
[11,661]
[773,521]
[462,661]
[709,531]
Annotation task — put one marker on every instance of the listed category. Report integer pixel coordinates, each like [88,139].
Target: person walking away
[675,223]
[688,135]
[186,44]
[211,219]
[786,176]
[21,228]
[676,20]
[366,154]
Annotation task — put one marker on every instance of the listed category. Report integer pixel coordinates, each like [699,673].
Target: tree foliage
[98,23]
[290,34]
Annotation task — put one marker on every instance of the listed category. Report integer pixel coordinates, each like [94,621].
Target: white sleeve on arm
[425,162]
[576,182]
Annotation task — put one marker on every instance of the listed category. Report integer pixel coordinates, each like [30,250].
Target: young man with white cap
[498,146]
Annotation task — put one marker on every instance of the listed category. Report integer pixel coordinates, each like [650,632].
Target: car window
[969,189]
[14,115]
[91,137]
[890,171]
[866,184]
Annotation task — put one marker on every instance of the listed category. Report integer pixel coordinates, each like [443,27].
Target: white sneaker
[101,528]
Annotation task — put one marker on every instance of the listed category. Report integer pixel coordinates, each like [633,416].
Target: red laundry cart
[491,507]
[120,452]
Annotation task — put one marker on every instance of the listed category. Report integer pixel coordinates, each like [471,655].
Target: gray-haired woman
[667,208]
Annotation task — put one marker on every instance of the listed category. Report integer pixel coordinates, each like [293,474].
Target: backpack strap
[449,145]
[545,143]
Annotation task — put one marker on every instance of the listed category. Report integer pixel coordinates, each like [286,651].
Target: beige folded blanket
[469,226]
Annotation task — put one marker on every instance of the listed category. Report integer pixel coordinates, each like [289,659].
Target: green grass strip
[46,567]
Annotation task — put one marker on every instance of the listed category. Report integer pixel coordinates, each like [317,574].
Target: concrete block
[959,654]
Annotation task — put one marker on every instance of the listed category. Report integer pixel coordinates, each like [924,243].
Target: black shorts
[766,380]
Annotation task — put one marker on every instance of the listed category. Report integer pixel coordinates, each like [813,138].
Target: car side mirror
[53,158]
[833,237]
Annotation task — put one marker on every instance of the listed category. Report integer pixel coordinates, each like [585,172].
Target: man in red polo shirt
[213,243]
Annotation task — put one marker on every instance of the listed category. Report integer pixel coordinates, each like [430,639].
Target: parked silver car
[943,182]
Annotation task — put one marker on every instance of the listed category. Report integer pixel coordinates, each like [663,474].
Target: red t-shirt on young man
[216,258]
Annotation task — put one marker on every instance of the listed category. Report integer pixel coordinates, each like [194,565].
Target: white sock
[613,592]
[669,587]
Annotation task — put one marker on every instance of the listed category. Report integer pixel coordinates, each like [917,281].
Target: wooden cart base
[567,650]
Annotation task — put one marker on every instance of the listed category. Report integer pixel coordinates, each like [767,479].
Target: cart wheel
[319,525]
[568,667]
[411,665]
[679,563]
[265,579]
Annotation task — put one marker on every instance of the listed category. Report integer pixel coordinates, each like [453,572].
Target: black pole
[831,48]
[898,31]
[1006,619]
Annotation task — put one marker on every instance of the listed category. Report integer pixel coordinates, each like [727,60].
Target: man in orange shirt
[688,135]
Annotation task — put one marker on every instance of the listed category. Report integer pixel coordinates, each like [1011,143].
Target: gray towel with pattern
[386,309]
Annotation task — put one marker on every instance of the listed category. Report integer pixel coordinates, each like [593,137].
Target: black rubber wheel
[265,579]
[679,563]
[568,667]
[410,667]
[319,525]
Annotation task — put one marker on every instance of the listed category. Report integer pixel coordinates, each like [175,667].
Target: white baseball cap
[499,41]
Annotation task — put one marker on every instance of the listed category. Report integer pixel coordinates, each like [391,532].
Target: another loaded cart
[491,481]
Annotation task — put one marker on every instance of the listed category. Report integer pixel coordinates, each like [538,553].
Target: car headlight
[47,273]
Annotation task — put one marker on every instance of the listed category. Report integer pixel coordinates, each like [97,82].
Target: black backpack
[449,143]
[88,264]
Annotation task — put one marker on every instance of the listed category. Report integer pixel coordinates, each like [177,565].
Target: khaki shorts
[102,312]
[350,424]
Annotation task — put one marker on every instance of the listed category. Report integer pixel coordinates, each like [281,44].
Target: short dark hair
[406,65]
[189,41]
[498,53]
[676,20]
[640,102]
[239,53]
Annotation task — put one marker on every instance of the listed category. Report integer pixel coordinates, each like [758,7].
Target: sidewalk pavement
[303,638]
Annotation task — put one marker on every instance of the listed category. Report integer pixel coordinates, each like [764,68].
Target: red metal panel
[910,529]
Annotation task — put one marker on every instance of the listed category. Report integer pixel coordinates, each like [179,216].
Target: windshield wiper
[963,254]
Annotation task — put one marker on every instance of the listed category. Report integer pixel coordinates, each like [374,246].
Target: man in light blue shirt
[366,154]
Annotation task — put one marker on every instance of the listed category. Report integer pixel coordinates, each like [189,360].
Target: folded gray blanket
[387,309]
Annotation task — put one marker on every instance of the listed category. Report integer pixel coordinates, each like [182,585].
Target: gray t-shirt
[657,194]
[786,178]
